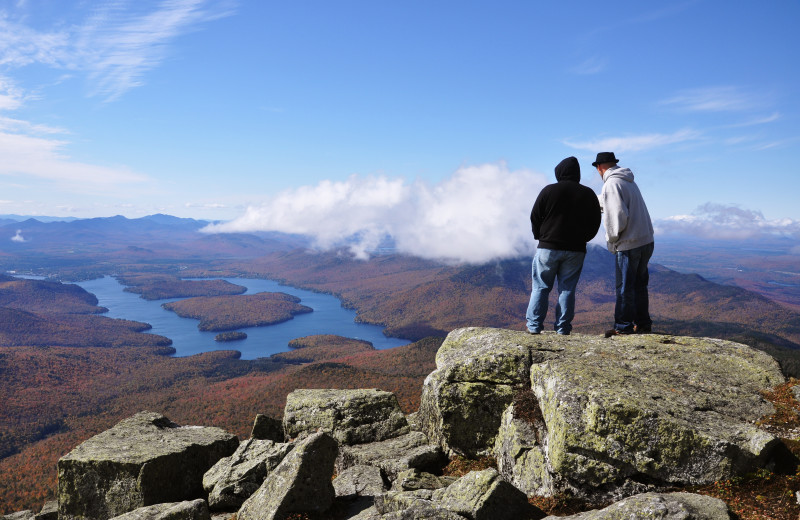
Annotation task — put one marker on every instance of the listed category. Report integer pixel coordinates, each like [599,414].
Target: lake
[329,317]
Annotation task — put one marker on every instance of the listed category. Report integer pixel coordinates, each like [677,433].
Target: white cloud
[116,43]
[18,237]
[725,222]
[478,214]
[757,121]
[31,155]
[634,143]
[713,99]
[35,150]
[119,49]
[209,205]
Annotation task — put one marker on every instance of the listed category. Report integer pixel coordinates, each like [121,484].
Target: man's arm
[592,216]
[536,216]
[615,211]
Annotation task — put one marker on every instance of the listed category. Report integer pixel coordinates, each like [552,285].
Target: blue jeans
[633,303]
[547,265]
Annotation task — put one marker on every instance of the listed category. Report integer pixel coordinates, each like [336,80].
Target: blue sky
[422,119]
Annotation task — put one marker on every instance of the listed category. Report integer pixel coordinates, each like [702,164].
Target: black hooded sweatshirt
[566,214]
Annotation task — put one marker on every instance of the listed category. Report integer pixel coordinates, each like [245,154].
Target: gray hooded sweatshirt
[625,214]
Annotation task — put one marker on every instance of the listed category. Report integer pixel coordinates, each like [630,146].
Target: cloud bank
[478,214]
[728,222]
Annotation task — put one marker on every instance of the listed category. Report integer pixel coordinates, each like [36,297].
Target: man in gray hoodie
[629,235]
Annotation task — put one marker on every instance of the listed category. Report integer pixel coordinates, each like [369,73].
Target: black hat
[605,157]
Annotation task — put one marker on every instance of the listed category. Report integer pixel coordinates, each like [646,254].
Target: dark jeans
[633,304]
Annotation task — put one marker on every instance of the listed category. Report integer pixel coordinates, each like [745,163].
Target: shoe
[642,330]
[615,332]
[534,333]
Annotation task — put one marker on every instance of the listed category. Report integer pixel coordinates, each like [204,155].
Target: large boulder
[478,495]
[603,417]
[349,416]
[359,481]
[188,510]
[413,480]
[409,451]
[143,460]
[477,372]
[233,479]
[656,506]
[300,484]
[484,495]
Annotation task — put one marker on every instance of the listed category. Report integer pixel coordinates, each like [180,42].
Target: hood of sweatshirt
[618,173]
[568,170]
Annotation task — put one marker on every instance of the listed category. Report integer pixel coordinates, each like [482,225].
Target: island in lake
[230,336]
[223,313]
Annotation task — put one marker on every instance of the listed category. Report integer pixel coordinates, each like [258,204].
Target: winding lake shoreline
[328,317]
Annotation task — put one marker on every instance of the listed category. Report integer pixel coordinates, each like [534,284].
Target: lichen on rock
[349,416]
[616,416]
[145,459]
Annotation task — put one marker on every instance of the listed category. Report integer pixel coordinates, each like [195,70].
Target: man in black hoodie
[565,216]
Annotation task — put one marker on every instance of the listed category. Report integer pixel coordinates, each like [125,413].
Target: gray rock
[267,428]
[233,479]
[410,451]
[300,483]
[359,481]
[349,416]
[369,513]
[143,460]
[608,414]
[484,495]
[477,371]
[413,479]
[49,511]
[410,504]
[655,506]
[414,421]
[189,510]
[422,512]
[663,409]
[19,515]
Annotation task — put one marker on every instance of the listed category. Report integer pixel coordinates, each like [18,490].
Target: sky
[434,122]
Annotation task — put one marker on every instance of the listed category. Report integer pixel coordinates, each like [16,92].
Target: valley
[68,372]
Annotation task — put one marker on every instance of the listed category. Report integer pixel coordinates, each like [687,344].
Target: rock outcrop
[188,510]
[412,450]
[604,417]
[233,479]
[143,460]
[479,495]
[349,416]
[656,506]
[300,484]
